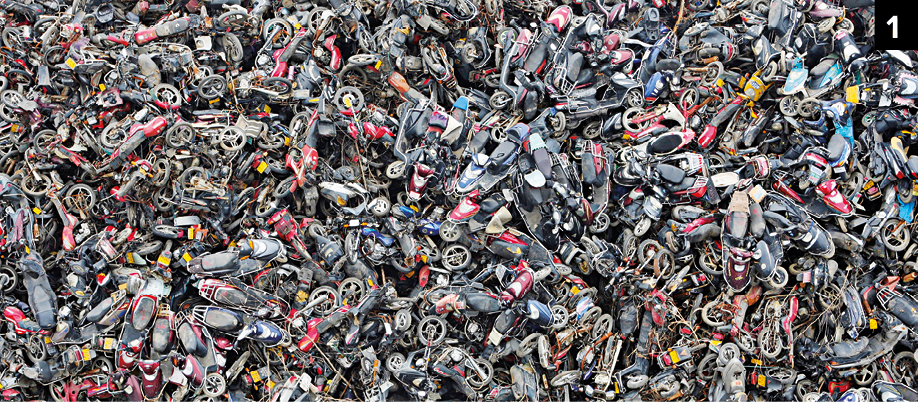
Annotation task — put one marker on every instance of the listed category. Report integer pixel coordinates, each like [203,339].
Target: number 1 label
[894,21]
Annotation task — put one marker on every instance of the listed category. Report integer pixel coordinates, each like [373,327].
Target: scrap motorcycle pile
[372,200]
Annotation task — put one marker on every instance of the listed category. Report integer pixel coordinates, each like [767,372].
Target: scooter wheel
[896,236]
[789,105]
[602,326]
[904,367]
[592,130]
[500,100]
[214,385]
[635,97]
[770,343]
[560,316]
[329,305]
[698,5]
[778,279]
[9,280]
[396,170]
[527,345]
[395,361]
[232,47]
[809,108]
[450,231]
[600,223]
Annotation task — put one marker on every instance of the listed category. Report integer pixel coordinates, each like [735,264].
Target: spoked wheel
[432,330]
[634,98]
[214,385]
[395,361]
[35,186]
[331,303]
[348,98]
[500,100]
[628,117]
[212,87]
[709,259]
[789,105]
[809,108]
[396,170]
[592,130]
[866,374]
[560,316]
[600,223]
[280,85]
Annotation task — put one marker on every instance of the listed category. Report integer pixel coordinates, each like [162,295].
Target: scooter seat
[492,204]
[837,146]
[503,154]
[818,73]
[670,173]
[848,349]
[574,64]
[664,144]
[668,65]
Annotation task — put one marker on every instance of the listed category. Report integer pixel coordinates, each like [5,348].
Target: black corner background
[907,11]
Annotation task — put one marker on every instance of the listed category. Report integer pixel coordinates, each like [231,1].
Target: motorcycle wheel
[232,19]
[432,331]
[745,341]
[277,23]
[314,19]
[478,380]
[180,135]
[351,290]
[350,95]
[803,388]
[865,375]
[211,87]
[714,316]
[728,351]
[778,279]
[9,280]
[35,349]
[648,250]
[456,257]
[830,297]
[402,320]
[896,236]
[707,367]
[35,187]
[627,117]
[332,302]
[600,223]
[528,345]
[166,96]
[395,361]
[698,5]
[565,378]
[500,100]
[760,7]
[770,343]
[232,47]
[80,198]
[280,85]
[602,326]
[558,122]
[161,170]
[232,139]
[214,385]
